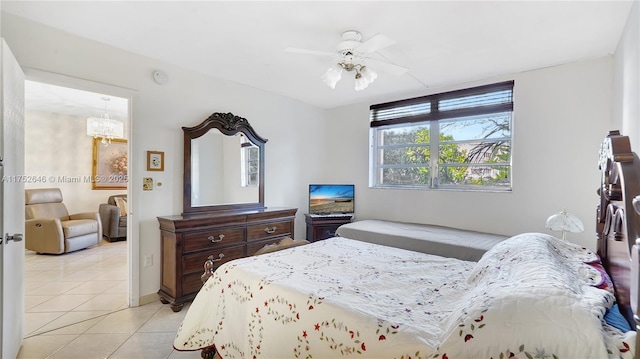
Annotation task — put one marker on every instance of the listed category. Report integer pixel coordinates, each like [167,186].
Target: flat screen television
[331,199]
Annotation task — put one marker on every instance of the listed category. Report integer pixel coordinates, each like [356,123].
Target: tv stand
[323,227]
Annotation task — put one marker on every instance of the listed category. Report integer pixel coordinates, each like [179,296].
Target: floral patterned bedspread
[531,296]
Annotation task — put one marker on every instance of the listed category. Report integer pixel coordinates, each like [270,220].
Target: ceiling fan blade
[296,50]
[386,67]
[374,44]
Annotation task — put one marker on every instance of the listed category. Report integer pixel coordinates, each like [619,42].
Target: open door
[11,203]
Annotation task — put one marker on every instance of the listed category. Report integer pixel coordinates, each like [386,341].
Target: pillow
[605,283]
[615,319]
[524,253]
[499,262]
[530,289]
[527,290]
[122,205]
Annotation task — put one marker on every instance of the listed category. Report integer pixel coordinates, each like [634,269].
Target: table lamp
[565,222]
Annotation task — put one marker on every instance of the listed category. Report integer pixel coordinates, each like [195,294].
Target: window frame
[247,180]
[398,114]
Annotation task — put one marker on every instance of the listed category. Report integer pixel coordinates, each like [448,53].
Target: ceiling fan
[351,55]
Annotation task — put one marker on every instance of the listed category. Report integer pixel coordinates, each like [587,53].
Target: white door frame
[12,199]
[133,243]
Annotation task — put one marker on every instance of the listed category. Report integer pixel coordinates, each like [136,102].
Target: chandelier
[103,126]
[364,75]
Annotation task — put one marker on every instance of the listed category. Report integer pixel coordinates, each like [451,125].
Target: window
[250,157]
[453,140]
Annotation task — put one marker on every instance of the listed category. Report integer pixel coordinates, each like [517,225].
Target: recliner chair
[113,215]
[50,229]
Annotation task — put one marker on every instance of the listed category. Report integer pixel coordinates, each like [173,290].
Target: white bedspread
[341,297]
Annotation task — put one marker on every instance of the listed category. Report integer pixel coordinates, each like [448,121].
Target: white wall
[561,115]
[626,80]
[159,112]
[58,150]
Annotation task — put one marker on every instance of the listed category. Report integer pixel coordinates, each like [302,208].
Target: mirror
[223,165]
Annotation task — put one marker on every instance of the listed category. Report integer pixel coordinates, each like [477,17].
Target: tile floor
[75,307]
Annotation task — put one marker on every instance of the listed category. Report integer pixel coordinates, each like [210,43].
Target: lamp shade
[332,76]
[368,74]
[565,222]
[364,77]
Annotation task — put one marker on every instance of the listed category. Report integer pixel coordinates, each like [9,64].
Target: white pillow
[532,294]
[529,251]
[122,205]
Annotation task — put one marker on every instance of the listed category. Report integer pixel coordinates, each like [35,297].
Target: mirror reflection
[224,169]
[223,166]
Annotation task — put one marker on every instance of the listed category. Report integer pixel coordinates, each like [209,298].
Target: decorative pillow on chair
[122,205]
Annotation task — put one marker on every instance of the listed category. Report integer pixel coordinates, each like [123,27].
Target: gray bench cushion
[438,240]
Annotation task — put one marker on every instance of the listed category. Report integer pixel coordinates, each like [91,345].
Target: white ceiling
[441,42]
[51,98]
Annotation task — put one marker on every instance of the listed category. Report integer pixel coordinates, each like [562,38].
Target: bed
[431,239]
[529,296]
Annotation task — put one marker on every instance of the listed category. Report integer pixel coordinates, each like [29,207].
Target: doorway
[74,287]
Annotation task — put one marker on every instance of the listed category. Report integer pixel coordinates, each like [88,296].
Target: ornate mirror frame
[228,124]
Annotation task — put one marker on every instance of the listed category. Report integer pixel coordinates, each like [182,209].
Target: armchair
[50,229]
[113,215]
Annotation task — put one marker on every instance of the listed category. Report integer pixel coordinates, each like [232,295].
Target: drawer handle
[220,256]
[270,230]
[209,267]
[214,240]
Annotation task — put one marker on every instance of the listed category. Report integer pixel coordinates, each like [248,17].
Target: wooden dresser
[187,241]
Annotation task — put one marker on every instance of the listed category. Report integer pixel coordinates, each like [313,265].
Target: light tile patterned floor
[75,307]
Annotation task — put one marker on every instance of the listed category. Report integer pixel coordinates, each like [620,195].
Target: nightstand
[323,227]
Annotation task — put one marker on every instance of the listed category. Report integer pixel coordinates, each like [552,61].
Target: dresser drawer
[195,262]
[267,230]
[191,283]
[217,236]
[324,232]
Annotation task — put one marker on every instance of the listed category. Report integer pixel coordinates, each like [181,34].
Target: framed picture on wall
[110,164]
[155,161]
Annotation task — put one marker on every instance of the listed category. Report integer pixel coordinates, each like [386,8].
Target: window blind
[480,100]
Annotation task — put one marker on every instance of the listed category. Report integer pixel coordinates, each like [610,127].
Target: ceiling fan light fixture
[361,83]
[332,76]
[368,74]
[364,77]
[353,54]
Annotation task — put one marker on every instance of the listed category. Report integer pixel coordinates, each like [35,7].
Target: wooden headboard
[618,222]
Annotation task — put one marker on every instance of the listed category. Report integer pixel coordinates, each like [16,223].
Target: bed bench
[431,239]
